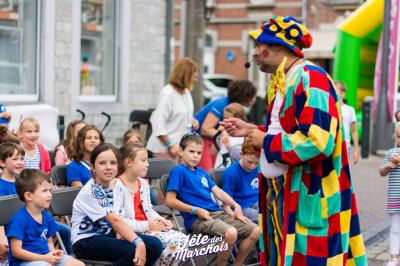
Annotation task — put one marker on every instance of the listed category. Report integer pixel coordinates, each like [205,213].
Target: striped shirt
[32,162]
[393,204]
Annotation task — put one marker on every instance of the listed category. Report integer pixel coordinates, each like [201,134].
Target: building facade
[93,55]
[227,43]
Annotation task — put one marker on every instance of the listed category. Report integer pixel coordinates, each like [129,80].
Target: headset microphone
[247,65]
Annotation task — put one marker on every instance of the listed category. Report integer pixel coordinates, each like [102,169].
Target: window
[99,66]
[208,41]
[19,53]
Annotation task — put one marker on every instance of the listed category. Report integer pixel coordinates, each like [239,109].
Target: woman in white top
[173,116]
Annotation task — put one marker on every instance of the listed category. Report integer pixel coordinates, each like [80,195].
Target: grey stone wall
[147,65]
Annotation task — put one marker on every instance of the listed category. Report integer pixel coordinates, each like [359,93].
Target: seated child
[63,148]
[95,220]
[36,156]
[240,181]
[30,230]
[12,162]
[78,171]
[132,136]
[190,187]
[7,136]
[139,213]
[233,110]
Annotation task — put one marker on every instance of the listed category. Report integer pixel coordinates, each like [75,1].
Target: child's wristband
[193,209]
[168,143]
[136,241]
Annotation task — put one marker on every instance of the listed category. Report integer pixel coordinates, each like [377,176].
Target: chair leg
[60,242]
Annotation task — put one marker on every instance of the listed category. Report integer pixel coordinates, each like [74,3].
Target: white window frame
[105,98]
[30,97]
[119,102]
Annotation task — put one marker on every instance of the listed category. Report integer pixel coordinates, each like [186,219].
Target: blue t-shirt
[78,172]
[2,120]
[7,188]
[241,185]
[32,234]
[193,187]
[216,107]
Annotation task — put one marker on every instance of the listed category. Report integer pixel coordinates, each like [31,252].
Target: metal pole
[169,40]
[382,133]
[304,13]
[195,46]
[182,49]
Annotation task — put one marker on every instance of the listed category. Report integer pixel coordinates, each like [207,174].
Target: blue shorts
[44,263]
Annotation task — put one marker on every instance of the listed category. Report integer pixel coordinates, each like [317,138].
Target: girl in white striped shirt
[391,166]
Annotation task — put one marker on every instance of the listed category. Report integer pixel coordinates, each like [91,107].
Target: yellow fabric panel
[350,262]
[364,19]
[332,130]
[301,229]
[297,138]
[318,137]
[324,206]
[357,246]
[290,244]
[335,261]
[345,221]
[330,184]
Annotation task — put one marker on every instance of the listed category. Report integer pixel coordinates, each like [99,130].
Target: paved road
[370,189]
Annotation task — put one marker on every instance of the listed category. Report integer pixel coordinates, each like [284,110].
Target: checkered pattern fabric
[319,224]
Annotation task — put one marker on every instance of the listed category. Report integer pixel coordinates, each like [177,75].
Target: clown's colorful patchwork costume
[309,214]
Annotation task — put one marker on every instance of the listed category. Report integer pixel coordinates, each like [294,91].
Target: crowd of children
[113,217]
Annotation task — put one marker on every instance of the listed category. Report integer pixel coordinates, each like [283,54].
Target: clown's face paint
[266,57]
[265,53]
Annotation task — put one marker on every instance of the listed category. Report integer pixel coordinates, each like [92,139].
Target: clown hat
[286,31]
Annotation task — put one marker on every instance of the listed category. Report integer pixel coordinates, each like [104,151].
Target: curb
[376,233]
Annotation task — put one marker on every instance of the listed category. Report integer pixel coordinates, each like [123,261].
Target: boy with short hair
[190,187]
[240,181]
[349,120]
[11,163]
[30,230]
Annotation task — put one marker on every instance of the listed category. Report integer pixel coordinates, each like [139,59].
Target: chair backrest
[159,167]
[139,117]
[164,184]
[9,205]
[59,175]
[216,176]
[62,201]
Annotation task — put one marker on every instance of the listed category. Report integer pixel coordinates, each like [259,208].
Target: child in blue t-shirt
[78,171]
[30,230]
[240,181]
[190,187]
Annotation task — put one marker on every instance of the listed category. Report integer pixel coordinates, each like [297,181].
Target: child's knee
[230,235]
[74,262]
[255,234]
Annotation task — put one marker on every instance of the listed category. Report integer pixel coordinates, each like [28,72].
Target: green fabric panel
[316,97]
[300,244]
[306,150]
[288,260]
[333,204]
[319,231]
[361,261]
[309,212]
[329,146]
[345,242]
[296,179]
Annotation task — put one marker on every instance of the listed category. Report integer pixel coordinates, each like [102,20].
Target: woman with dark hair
[240,91]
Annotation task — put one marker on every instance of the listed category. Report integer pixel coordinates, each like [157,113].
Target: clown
[308,209]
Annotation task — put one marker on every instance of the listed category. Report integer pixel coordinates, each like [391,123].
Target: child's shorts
[44,263]
[219,223]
